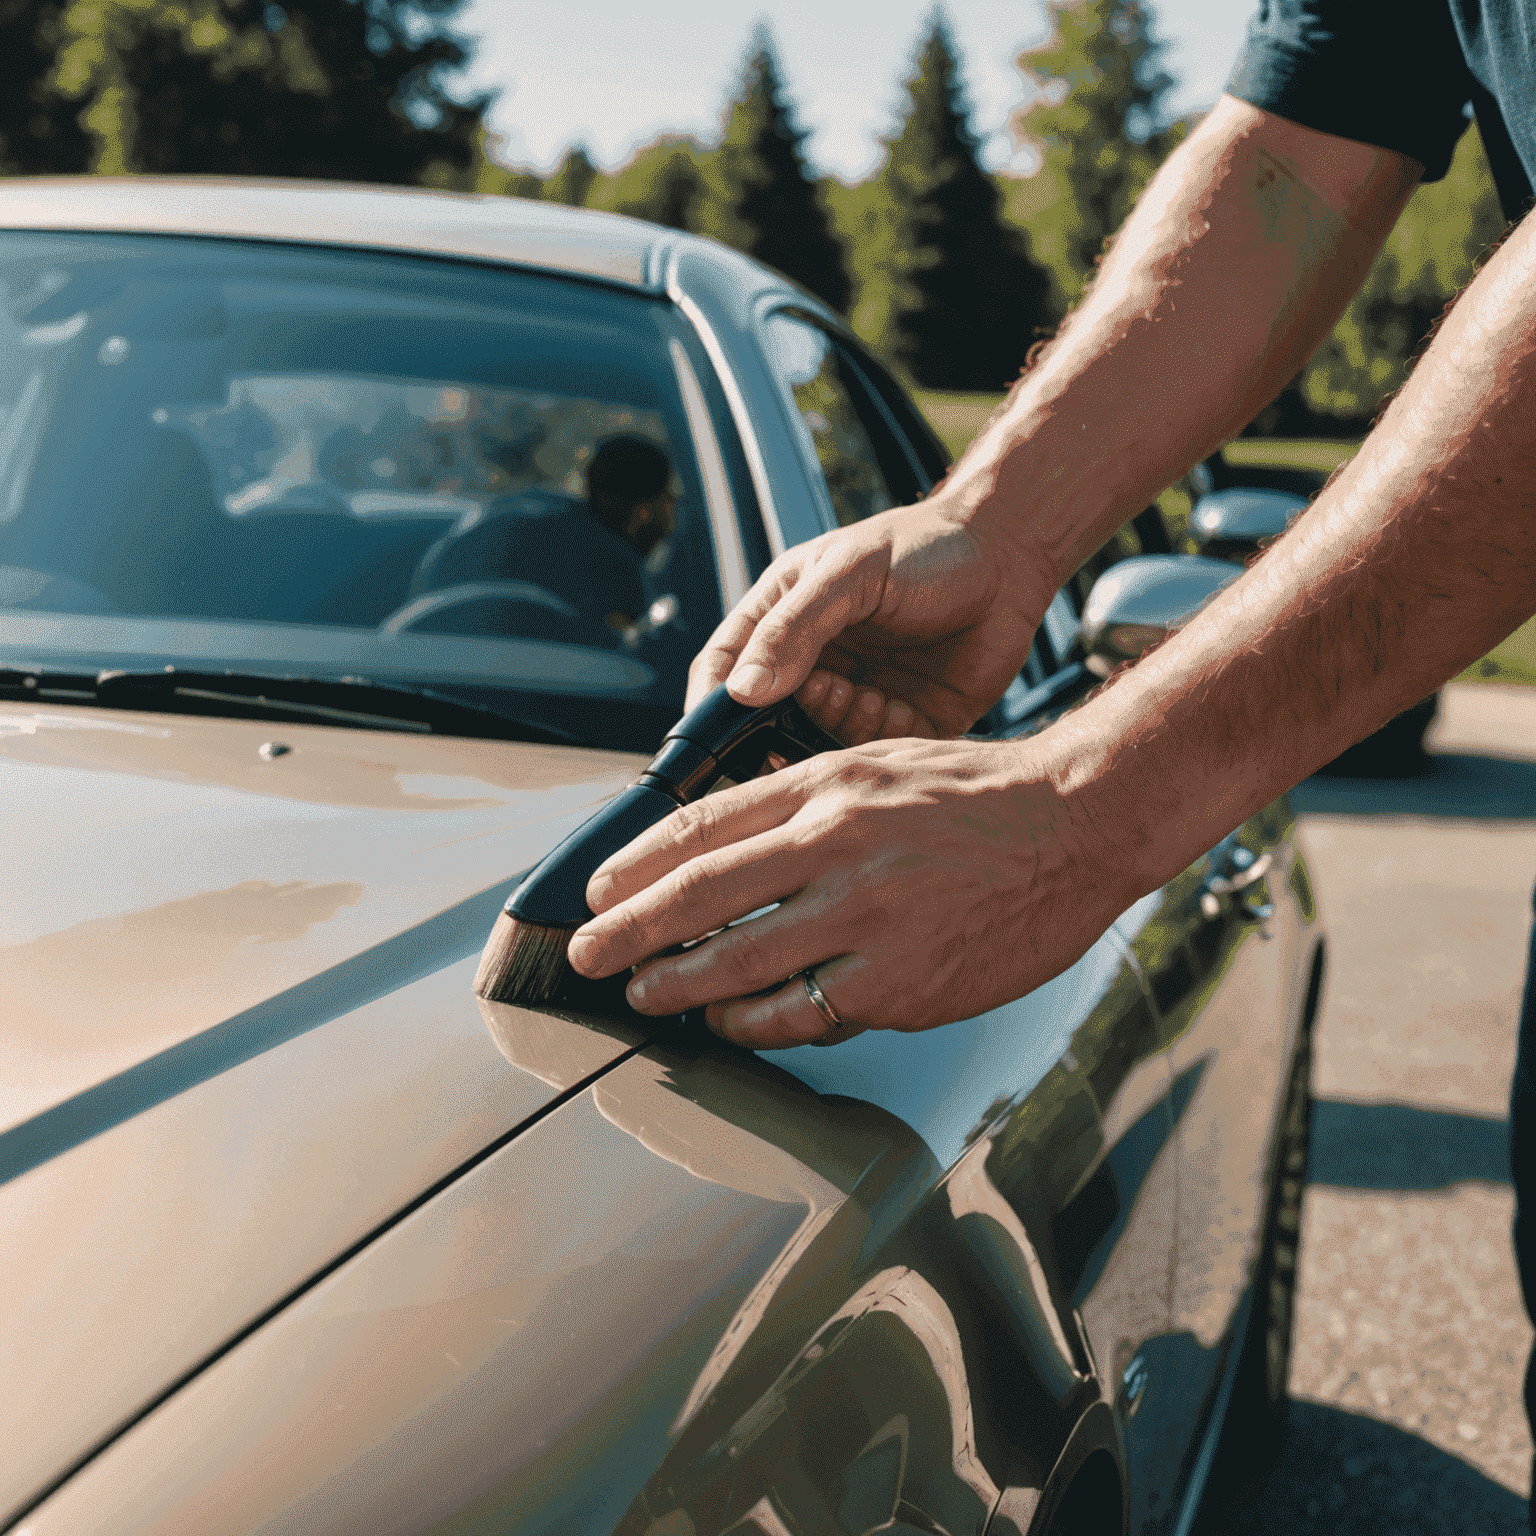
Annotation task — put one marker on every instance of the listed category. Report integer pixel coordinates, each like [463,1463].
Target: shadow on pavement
[1398,1146]
[1342,1474]
[1457,785]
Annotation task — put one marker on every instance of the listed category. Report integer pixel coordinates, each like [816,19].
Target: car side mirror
[1140,601]
[1231,524]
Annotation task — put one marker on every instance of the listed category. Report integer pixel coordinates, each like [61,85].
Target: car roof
[579,242]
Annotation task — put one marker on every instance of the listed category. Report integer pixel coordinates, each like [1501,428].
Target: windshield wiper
[358,702]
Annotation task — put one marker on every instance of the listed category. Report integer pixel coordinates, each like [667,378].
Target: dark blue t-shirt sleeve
[1385,72]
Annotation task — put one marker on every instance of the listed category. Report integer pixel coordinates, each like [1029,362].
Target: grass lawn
[958,417]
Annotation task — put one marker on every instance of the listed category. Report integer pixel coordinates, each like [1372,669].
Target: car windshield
[312,462]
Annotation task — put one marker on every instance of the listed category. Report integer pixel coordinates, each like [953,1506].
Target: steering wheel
[517,606]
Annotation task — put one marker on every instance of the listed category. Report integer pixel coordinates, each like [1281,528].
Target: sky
[614,74]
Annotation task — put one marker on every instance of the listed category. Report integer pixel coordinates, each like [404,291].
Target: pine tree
[767,204]
[1096,121]
[572,182]
[38,128]
[347,90]
[664,183]
[967,301]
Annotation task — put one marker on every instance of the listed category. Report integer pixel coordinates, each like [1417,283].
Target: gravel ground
[1411,1340]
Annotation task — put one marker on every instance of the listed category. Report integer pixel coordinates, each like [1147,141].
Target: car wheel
[1256,1412]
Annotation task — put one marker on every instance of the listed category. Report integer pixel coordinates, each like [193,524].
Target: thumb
[836,589]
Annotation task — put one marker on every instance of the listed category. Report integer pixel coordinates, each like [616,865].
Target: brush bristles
[522,962]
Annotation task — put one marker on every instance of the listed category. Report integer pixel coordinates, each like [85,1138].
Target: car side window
[917,440]
[863,463]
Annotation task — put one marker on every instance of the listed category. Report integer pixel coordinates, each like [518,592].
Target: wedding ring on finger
[819,1000]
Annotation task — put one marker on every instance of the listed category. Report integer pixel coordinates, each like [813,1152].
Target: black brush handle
[554,893]
[718,738]
[721,738]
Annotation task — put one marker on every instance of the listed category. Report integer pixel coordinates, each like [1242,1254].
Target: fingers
[702,895]
[716,821]
[787,1016]
[853,715]
[835,588]
[717,660]
[858,715]
[768,645]
[754,956]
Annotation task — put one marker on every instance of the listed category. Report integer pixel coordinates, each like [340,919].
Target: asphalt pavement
[1411,1339]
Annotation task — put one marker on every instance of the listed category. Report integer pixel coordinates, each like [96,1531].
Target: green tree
[865,219]
[966,299]
[664,182]
[348,90]
[1431,254]
[573,178]
[1096,121]
[488,174]
[38,128]
[766,202]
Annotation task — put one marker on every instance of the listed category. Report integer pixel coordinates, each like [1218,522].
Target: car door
[989,1277]
[1217,947]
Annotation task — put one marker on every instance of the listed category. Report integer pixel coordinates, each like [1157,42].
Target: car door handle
[1245,870]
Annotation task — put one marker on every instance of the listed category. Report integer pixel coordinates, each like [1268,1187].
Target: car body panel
[606,247]
[217,971]
[777,1304]
[1228,1061]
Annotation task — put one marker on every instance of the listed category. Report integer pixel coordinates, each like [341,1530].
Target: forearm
[1416,560]
[1235,264]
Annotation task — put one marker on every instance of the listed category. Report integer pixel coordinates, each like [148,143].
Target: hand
[923,882]
[906,624]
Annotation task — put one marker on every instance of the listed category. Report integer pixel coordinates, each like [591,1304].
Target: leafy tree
[38,128]
[1430,255]
[488,174]
[865,219]
[507,182]
[766,203]
[573,179]
[337,89]
[664,182]
[1096,121]
[966,299]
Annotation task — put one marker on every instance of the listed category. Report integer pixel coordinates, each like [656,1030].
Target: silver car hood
[239,1032]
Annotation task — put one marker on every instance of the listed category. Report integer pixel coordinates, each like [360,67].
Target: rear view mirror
[1140,601]
[1231,524]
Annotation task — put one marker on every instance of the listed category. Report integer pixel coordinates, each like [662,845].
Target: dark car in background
[353,546]
[1237,510]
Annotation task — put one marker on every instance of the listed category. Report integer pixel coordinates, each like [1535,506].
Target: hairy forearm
[1236,263]
[1413,562]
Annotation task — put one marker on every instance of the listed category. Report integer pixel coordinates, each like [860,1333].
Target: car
[353,546]
[1236,512]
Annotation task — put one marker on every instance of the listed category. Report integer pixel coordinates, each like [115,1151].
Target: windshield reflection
[260,435]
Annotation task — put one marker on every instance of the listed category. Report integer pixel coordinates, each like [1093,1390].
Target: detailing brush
[524,959]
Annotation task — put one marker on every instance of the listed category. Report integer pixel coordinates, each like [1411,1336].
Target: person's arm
[1234,265]
[928,881]
[1416,560]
